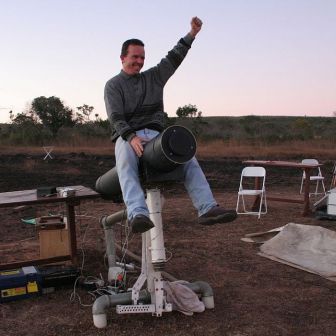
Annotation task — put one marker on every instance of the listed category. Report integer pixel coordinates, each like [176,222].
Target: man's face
[134,60]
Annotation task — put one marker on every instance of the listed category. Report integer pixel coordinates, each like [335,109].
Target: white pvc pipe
[158,252]
[103,302]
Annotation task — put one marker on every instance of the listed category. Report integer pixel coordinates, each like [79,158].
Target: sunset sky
[261,57]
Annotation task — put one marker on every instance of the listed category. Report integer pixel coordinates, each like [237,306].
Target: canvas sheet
[310,248]
[261,237]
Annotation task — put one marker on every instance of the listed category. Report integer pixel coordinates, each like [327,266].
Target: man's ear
[122,59]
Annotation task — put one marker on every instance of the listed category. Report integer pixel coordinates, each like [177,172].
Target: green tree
[84,112]
[193,117]
[25,129]
[188,111]
[23,119]
[52,113]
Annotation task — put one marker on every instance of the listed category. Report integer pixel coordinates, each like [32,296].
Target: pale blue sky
[261,57]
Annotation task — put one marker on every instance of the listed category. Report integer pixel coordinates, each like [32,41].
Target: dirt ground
[253,295]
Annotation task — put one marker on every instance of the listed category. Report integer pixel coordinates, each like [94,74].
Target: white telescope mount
[152,263]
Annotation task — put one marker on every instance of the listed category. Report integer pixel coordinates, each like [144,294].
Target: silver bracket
[129,309]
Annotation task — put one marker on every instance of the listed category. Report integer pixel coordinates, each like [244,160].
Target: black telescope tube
[175,146]
[109,187]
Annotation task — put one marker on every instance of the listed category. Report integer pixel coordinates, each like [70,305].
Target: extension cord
[92,284]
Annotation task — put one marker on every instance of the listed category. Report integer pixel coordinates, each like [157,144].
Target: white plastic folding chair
[319,179]
[257,190]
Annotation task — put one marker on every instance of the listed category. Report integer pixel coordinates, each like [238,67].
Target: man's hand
[196,26]
[137,145]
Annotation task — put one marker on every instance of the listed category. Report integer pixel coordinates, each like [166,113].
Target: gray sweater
[136,102]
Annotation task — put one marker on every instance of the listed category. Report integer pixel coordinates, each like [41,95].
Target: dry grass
[218,148]
[105,149]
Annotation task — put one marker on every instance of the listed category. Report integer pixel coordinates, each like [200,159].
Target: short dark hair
[126,44]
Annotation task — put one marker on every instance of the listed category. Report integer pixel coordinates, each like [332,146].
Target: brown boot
[217,215]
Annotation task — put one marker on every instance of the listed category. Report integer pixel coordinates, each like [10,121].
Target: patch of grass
[319,149]
[291,149]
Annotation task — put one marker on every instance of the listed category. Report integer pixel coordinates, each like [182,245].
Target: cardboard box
[54,237]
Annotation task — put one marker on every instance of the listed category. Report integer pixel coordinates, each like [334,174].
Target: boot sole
[142,227]
[225,218]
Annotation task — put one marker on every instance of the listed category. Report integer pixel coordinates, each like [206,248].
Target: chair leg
[260,205]
[241,205]
[237,206]
[317,188]
[240,198]
[301,187]
[266,204]
[317,185]
[263,202]
[244,207]
[323,186]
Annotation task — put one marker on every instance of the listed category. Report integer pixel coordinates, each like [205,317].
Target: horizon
[261,58]
[226,116]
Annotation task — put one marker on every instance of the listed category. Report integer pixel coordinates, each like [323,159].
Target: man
[134,104]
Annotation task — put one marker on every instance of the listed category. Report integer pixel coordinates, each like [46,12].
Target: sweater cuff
[188,39]
[129,137]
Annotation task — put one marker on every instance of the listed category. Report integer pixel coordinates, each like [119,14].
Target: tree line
[48,120]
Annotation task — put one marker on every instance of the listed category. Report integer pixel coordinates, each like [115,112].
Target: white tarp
[311,248]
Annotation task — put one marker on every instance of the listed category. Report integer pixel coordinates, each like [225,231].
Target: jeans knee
[191,165]
[125,154]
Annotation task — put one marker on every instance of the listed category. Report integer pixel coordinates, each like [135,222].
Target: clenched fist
[196,26]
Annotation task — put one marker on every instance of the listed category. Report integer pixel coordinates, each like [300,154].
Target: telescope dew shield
[173,147]
[108,185]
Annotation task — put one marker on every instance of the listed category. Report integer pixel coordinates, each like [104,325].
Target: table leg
[70,206]
[306,199]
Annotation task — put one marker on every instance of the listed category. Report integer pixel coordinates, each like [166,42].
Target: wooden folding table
[29,197]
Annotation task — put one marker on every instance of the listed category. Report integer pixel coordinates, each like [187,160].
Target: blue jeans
[127,167]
